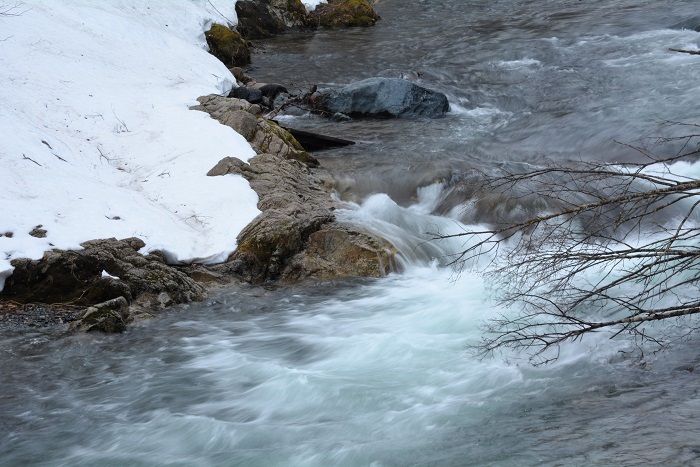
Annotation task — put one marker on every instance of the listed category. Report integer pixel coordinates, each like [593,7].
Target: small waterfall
[413,230]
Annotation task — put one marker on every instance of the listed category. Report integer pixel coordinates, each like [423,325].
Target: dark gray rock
[252,95]
[385,97]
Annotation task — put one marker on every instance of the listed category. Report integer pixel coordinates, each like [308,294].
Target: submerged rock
[384,97]
[227,45]
[692,23]
[345,13]
[102,270]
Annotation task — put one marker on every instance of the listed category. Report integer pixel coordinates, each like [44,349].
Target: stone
[252,95]
[38,232]
[258,19]
[111,316]
[266,137]
[294,204]
[338,251]
[345,14]
[75,276]
[227,45]
[384,97]
[226,166]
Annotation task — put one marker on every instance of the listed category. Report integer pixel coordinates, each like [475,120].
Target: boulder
[344,14]
[384,97]
[227,45]
[111,316]
[294,205]
[342,251]
[258,19]
[102,270]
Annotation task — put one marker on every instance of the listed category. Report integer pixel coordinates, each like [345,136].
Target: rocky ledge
[104,270]
[296,236]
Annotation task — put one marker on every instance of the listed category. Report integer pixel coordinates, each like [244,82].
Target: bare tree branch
[613,247]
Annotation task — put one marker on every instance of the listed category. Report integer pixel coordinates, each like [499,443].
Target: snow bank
[96,138]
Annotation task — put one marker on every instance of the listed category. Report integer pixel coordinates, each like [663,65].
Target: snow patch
[96,136]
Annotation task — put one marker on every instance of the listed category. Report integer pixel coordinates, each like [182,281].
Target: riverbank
[138,267]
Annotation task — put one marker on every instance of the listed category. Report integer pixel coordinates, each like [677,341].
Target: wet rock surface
[295,204]
[20,316]
[384,97]
[338,251]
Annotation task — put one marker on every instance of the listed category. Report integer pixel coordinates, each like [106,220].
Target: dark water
[376,373]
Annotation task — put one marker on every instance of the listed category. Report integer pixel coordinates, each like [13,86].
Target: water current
[377,372]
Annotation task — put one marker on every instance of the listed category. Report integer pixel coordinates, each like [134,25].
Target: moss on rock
[228,46]
[345,14]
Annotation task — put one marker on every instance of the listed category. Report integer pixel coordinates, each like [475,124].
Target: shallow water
[378,372]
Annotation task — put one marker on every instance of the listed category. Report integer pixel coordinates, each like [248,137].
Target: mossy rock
[228,46]
[345,14]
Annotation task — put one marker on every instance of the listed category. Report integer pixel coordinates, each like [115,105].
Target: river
[379,372]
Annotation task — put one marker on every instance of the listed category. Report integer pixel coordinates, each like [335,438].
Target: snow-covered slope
[96,138]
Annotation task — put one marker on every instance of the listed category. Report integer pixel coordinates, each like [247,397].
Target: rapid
[379,372]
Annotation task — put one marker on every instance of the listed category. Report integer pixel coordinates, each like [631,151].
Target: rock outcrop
[101,271]
[258,19]
[384,97]
[265,136]
[294,205]
[228,46]
[295,237]
[340,250]
[345,14]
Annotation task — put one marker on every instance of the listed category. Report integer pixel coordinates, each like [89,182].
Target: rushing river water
[377,372]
